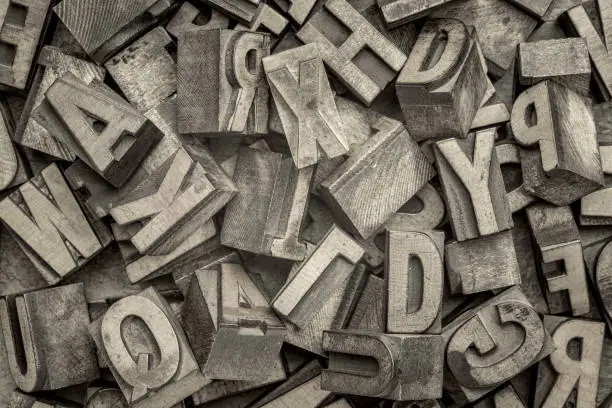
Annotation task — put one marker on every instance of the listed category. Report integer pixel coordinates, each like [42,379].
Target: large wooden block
[22,25]
[374,182]
[570,375]
[382,365]
[565,61]
[121,25]
[47,342]
[267,214]
[509,336]
[106,133]
[399,12]
[51,227]
[185,188]
[163,370]
[440,99]
[500,25]
[231,327]
[472,180]
[196,16]
[414,280]
[305,105]
[221,83]
[357,53]
[33,131]
[560,122]
[579,22]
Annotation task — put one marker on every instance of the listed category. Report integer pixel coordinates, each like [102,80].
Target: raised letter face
[147,351]
[574,365]
[414,280]
[51,226]
[474,187]
[492,343]
[22,23]
[127,136]
[221,83]
[305,105]
[314,283]
[363,42]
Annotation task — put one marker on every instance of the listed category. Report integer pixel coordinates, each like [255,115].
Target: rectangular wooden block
[221,86]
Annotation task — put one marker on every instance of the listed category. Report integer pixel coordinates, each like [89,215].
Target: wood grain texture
[482,264]
[241,10]
[565,61]
[377,365]
[537,8]
[557,237]
[145,71]
[191,17]
[221,85]
[440,100]
[314,282]
[188,186]
[145,322]
[579,23]
[385,172]
[567,137]
[359,55]
[116,150]
[267,20]
[500,26]
[93,23]
[566,368]
[518,198]
[414,280]
[306,112]
[32,129]
[9,160]
[267,214]
[399,12]
[298,10]
[51,348]
[20,38]
[516,344]
[51,226]
[472,180]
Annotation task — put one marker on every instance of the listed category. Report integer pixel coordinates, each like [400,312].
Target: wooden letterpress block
[185,188]
[378,365]
[383,173]
[308,114]
[22,25]
[357,53]
[556,235]
[472,180]
[298,10]
[121,23]
[482,264]
[147,351]
[500,25]
[51,347]
[115,150]
[414,280]
[440,100]
[568,165]
[570,375]
[565,61]
[193,17]
[266,19]
[12,166]
[234,333]
[242,10]
[267,214]
[221,82]
[536,7]
[510,337]
[145,71]
[51,226]
[327,268]
[579,23]
[399,12]
[32,130]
